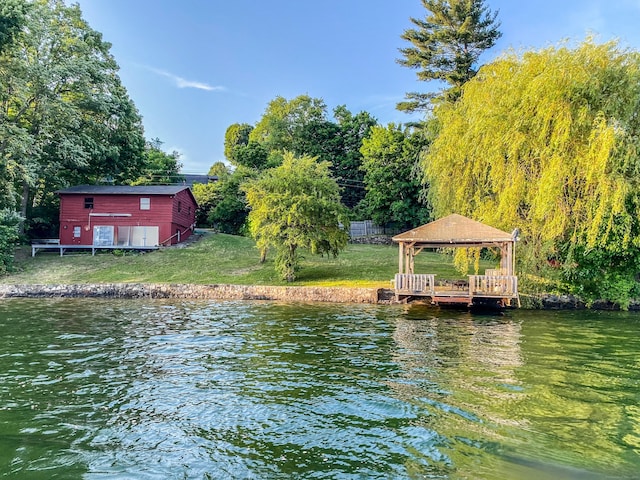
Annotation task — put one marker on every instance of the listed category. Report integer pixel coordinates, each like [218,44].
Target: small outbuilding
[498,285]
[126,216]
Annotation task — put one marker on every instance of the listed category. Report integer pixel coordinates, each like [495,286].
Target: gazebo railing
[498,285]
[414,283]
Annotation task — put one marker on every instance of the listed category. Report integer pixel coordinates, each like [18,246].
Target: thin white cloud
[181,82]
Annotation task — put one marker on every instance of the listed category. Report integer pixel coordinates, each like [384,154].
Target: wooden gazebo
[497,286]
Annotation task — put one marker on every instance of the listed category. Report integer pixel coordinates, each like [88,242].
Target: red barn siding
[163,213]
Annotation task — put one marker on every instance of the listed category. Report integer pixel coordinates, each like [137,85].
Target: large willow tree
[547,141]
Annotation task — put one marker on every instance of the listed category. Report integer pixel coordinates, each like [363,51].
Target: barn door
[77,235]
[144,236]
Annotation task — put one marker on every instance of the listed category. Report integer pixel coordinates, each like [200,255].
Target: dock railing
[493,285]
[414,283]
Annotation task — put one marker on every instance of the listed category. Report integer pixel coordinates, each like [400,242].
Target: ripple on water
[139,389]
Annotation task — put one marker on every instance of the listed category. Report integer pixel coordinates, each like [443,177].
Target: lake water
[104,389]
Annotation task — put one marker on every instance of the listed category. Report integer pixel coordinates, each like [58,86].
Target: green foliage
[220,170]
[464,257]
[296,205]
[222,204]
[446,46]
[346,165]
[548,142]
[65,118]
[230,215]
[160,168]
[301,126]
[284,120]
[8,239]
[393,189]
[12,18]
[237,135]
[598,274]
[207,195]
[253,155]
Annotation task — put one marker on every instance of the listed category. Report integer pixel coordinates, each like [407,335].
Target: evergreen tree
[446,46]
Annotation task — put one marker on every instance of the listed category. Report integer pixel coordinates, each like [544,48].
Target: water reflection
[459,367]
[526,399]
[133,389]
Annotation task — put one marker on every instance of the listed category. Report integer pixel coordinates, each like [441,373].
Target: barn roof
[454,229]
[124,189]
[191,179]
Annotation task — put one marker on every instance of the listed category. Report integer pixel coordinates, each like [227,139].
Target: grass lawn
[219,258]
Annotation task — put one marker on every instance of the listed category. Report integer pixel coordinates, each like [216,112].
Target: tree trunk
[24,201]
[291,264]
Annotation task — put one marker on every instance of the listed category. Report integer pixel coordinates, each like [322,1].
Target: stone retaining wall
[219,292]
[263,292]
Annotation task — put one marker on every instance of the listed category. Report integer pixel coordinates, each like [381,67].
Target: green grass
[219,258]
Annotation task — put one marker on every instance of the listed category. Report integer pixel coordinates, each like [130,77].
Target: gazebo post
[400,257]
[412,256]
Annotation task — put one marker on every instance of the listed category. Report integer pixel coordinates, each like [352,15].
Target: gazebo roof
[454,230]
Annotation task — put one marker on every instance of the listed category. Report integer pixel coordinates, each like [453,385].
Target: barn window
[76,231]
[103,235]
[88,202]
[179,206]
[145,203]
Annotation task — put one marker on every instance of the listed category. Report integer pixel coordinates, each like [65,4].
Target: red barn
[126,216]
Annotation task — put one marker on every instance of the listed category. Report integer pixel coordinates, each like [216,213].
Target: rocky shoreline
[263,292]
[217,292]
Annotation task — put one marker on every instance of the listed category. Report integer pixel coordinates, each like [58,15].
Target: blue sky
[194,67]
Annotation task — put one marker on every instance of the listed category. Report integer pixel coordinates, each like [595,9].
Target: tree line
[542,140]
[371,169]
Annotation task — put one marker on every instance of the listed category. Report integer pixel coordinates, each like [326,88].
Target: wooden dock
[501,290]
[497,287]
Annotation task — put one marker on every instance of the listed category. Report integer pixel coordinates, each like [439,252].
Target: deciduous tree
[160,167]
[293,206]
[284,121]
[9,221]
[548,142]
[12,17]
[220,170]
[391,178]
[64,115]
[237,135]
